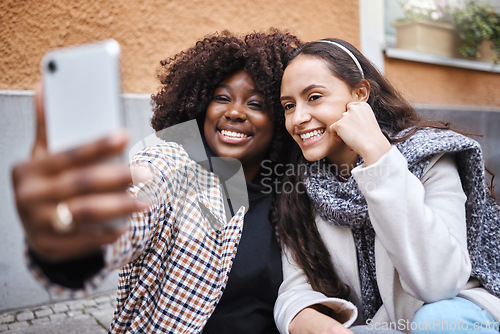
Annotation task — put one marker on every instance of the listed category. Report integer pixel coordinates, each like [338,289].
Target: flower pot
[436,38]
[486,53]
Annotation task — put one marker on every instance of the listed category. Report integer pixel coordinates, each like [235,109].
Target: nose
[235,112]
[300,116]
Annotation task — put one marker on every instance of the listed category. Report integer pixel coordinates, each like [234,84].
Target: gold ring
[63,219]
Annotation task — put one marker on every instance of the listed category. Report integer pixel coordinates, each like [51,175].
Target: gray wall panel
[18,289]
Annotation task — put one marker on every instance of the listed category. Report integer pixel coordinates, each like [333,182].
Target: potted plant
[426,26]
[478,26]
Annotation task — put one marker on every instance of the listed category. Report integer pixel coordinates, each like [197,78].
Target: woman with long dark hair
[390,213]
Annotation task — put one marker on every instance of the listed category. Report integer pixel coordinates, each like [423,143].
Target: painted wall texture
[440,85]
[152,30]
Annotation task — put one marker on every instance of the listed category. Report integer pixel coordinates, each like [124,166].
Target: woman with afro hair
[190,260]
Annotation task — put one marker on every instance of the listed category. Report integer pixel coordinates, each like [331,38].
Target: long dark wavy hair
[189,78]
[296,226]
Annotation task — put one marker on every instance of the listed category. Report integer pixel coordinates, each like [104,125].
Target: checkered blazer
[174,264]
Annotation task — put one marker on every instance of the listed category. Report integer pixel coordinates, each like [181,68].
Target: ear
[362,92]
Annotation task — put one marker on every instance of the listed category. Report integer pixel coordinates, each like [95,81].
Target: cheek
[263,122]
[207,128]
[210,119]
[331,114]
[266,128]
[288,124]
[289,128]
[269,129]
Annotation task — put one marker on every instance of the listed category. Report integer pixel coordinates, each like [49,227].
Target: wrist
[375,150]
[315,319]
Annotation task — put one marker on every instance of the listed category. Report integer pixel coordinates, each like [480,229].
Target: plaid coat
[174,262]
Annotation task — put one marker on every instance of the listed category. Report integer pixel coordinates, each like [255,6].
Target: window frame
[375,44]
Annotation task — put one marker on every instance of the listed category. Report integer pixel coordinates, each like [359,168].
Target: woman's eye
[314,97]
[221,98]
[256,105]
[288,106]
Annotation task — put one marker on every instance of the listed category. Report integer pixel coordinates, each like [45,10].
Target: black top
[247,303]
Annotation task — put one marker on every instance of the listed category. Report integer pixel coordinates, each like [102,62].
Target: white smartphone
[82,94]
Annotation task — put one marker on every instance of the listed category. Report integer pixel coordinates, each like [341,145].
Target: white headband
[353,57]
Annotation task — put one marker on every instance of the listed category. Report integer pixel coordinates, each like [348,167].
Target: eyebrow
[254,90]
[304,91]
[224,86]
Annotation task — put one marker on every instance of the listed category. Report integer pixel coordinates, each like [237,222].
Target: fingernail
[141,174]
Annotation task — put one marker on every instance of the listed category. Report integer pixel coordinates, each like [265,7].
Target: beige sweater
[420,246]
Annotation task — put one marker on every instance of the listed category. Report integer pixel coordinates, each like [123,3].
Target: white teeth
[233,134]
[312,134]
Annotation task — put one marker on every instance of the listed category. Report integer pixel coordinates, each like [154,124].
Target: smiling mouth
[312,135]
[233,134]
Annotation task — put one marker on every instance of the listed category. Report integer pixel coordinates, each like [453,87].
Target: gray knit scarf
[340,202]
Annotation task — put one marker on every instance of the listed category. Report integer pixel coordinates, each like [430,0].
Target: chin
[312,156]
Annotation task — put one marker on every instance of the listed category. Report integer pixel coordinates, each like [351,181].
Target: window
[378,37]
[393,11]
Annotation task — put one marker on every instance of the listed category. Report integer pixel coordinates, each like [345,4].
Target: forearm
[296,295]
[420,225]
[312,321]
[81,274]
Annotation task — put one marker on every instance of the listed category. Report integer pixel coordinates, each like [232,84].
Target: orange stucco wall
[441,85]
[151,30]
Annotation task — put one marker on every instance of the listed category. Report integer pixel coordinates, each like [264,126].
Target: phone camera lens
[51,66]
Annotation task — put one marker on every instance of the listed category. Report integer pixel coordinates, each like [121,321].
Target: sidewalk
[83,316]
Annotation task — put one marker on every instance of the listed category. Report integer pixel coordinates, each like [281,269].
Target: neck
[344,162]
[251,173]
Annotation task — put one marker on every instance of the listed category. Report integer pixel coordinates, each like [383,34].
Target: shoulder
[442,166]
[167,154]
[426,143]
[432,141]
[163,163]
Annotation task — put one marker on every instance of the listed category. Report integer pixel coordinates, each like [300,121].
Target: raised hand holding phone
[82,180]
